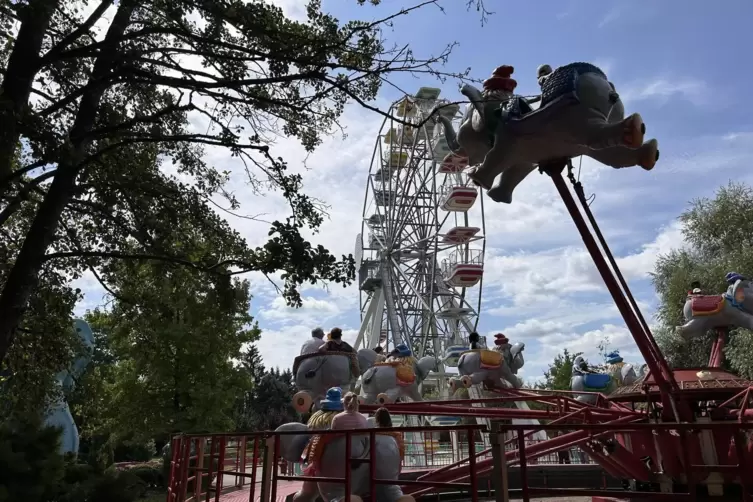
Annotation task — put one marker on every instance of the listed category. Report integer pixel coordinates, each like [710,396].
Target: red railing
[204,467]
[616,463]
[196,475]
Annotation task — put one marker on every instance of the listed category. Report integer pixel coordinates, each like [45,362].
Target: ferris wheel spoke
[410,244]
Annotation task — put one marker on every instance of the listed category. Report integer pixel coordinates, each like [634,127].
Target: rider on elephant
[731,278]
[501,343]
[497,90]
[336,343]
[350,418]
[695,288]
[330,406]
[402,355]
[474,339]
[314,343]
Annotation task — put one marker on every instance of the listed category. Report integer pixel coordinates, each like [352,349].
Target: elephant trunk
[449,133]
[475,97]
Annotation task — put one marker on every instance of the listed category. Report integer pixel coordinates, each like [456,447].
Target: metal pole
[501,482]
[372,464]
[472,463]
[608,277]
[523,466]
[347,464]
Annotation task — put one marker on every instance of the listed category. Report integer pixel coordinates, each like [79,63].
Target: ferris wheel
[420,251]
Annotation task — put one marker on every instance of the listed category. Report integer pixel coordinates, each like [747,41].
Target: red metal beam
[644,340]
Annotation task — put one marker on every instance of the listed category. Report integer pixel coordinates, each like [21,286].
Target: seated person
[350,418]
[336,343]
[313,343]
[474,339]
[382,418]
[400,352]
[380,354]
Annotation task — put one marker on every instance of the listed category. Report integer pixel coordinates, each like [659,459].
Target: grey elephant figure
[389,381]
[58,413]
[315,373]
[584,380]
[580,114]
[330,462]
[731,309]
[492,366]
[624,373]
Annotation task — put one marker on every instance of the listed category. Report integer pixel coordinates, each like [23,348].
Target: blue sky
[680,64]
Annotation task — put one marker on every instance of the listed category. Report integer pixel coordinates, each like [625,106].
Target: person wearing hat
[501,342]
[314,343]
[332,400]
[336,342]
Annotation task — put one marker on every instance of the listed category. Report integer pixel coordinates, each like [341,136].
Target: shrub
[117,486]
[83,483]
[151,475]
[130,450]
[97,451]
[31,467]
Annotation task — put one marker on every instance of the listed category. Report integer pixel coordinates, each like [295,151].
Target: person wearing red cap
[501,343]
[498,90]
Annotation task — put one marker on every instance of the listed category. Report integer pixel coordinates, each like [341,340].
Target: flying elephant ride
[325,456]
[319,371]
[396,378]
[616,373]
[497,367]
[504,139]
[734,308]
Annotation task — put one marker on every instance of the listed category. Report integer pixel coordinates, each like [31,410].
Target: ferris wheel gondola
[420,252]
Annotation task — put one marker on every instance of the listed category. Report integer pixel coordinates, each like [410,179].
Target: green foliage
[124,125]
[267,404]
[130,450]
[153,475]
[30,466]
[33,470]
[560,372]
[720,240]
[84,484]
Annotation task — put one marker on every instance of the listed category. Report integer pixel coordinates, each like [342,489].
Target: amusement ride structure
[420,252]
[672,434]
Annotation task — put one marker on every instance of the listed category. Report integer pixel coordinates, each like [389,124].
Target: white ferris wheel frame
[404,236]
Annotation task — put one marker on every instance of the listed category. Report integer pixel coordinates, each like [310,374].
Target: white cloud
[540,285]
[663,89]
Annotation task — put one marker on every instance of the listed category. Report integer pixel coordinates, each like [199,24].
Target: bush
[151,474]
[31,467]
[117,486]
[97,451]
[82,483]
[130,450]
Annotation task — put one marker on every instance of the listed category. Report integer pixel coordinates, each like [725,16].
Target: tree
[560,372]
[269,402]
[719,238]
[112,112]
[175,350]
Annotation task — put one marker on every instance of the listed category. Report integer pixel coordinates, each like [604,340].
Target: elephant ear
[292,446]
[366,358]
[368,375]
[739,292]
